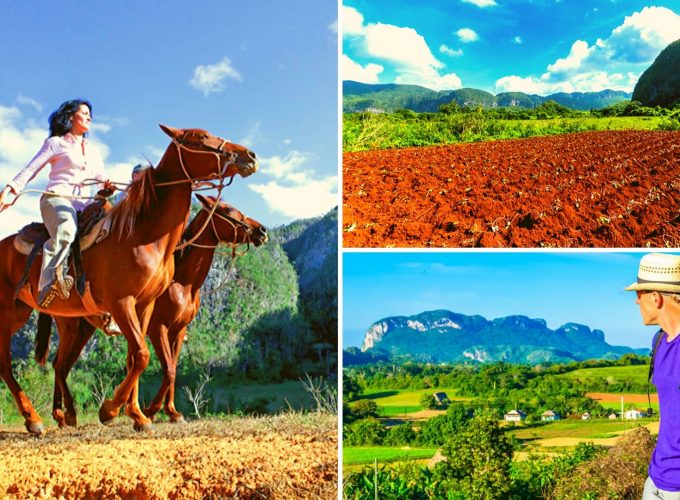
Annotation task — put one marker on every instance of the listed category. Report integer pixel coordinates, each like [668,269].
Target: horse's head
[207,156]
[231,226]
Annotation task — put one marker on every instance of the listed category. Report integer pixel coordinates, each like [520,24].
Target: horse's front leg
[158,334]
[12,317]
[131,324]
[177,340]
[74,333]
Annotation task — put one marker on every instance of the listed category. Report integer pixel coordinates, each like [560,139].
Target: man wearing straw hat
[658,295]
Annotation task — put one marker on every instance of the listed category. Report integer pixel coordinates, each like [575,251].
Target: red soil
[592,189]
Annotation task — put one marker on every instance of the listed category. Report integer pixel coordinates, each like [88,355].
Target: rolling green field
[398,401]
[367,131]
[635,373]
[354,455]
[591,429]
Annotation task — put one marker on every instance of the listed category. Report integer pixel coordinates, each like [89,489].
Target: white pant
[60,218]
[651,492]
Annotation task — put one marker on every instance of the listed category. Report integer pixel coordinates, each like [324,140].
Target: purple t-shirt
[664,468]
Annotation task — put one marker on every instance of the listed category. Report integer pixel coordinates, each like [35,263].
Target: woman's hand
[4,203]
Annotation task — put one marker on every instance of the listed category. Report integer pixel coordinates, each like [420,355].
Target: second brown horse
[173,311]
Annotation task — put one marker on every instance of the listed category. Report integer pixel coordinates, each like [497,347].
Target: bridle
[182,144]
[234,223]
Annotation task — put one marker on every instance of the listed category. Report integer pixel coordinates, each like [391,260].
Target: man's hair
[675,297]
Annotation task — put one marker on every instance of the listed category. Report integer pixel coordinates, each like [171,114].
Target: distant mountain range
[390,97]
[445,336]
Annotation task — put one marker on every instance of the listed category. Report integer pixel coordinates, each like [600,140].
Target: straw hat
[658,272]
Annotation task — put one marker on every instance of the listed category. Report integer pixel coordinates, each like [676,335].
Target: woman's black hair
[60,120]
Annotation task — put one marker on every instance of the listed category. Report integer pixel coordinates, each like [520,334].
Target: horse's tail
[42,338]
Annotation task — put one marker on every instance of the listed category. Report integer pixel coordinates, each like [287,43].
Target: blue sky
[259,73]
[533,46]
[560,287]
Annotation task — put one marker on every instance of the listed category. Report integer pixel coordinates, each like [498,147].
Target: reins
[219,174]
[233,244]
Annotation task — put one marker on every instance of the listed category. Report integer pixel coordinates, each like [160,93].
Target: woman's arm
[41,159]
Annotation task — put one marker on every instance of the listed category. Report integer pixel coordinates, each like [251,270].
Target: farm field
[400,402]
[286,456]
[633,373]
[354,455]
[570,432]
[601,189]
[613,400]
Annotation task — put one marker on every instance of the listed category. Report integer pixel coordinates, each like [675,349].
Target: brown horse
[128,271]
[173,311]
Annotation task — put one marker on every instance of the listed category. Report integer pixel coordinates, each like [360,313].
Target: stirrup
[64,283]
[65,286]
[48,294]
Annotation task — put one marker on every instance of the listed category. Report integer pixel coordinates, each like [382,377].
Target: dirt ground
[293,456]
[589,189]
[608,397]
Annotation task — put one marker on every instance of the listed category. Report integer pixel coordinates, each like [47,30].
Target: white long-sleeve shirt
[72,163]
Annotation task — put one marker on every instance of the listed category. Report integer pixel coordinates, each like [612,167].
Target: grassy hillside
[636,374]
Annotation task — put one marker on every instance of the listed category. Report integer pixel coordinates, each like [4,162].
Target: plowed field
[273,457]
[589,189]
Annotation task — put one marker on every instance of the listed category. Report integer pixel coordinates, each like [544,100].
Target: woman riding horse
[73,162]
[129,270]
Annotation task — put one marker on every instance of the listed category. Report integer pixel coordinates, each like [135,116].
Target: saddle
[94,226]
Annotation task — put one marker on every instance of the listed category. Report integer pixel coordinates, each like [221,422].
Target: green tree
[367,431]
[428,401]
[364,408]
[478,461]
[450,108]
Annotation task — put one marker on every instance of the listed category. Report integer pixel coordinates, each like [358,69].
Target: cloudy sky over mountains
[537,46]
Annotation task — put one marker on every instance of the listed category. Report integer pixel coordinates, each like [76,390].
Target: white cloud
[352,21]
[481,3]
[430,78]
[578,53]
[294,190]
[517,40]
[333,27]
[402,47]
[100,127]
[22,99]
[644,34]
[252,135]
[354,71]
[467,35]
[210,78]
[612,63]
[399,45]
[309,200]
[449,51]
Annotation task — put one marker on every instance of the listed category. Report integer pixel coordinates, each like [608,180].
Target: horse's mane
[141,194]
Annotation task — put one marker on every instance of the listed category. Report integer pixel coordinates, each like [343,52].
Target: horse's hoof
[149,413]
[179,419]
[35,428]
[58,417]
[146,427]
[108,412]
[71,419]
